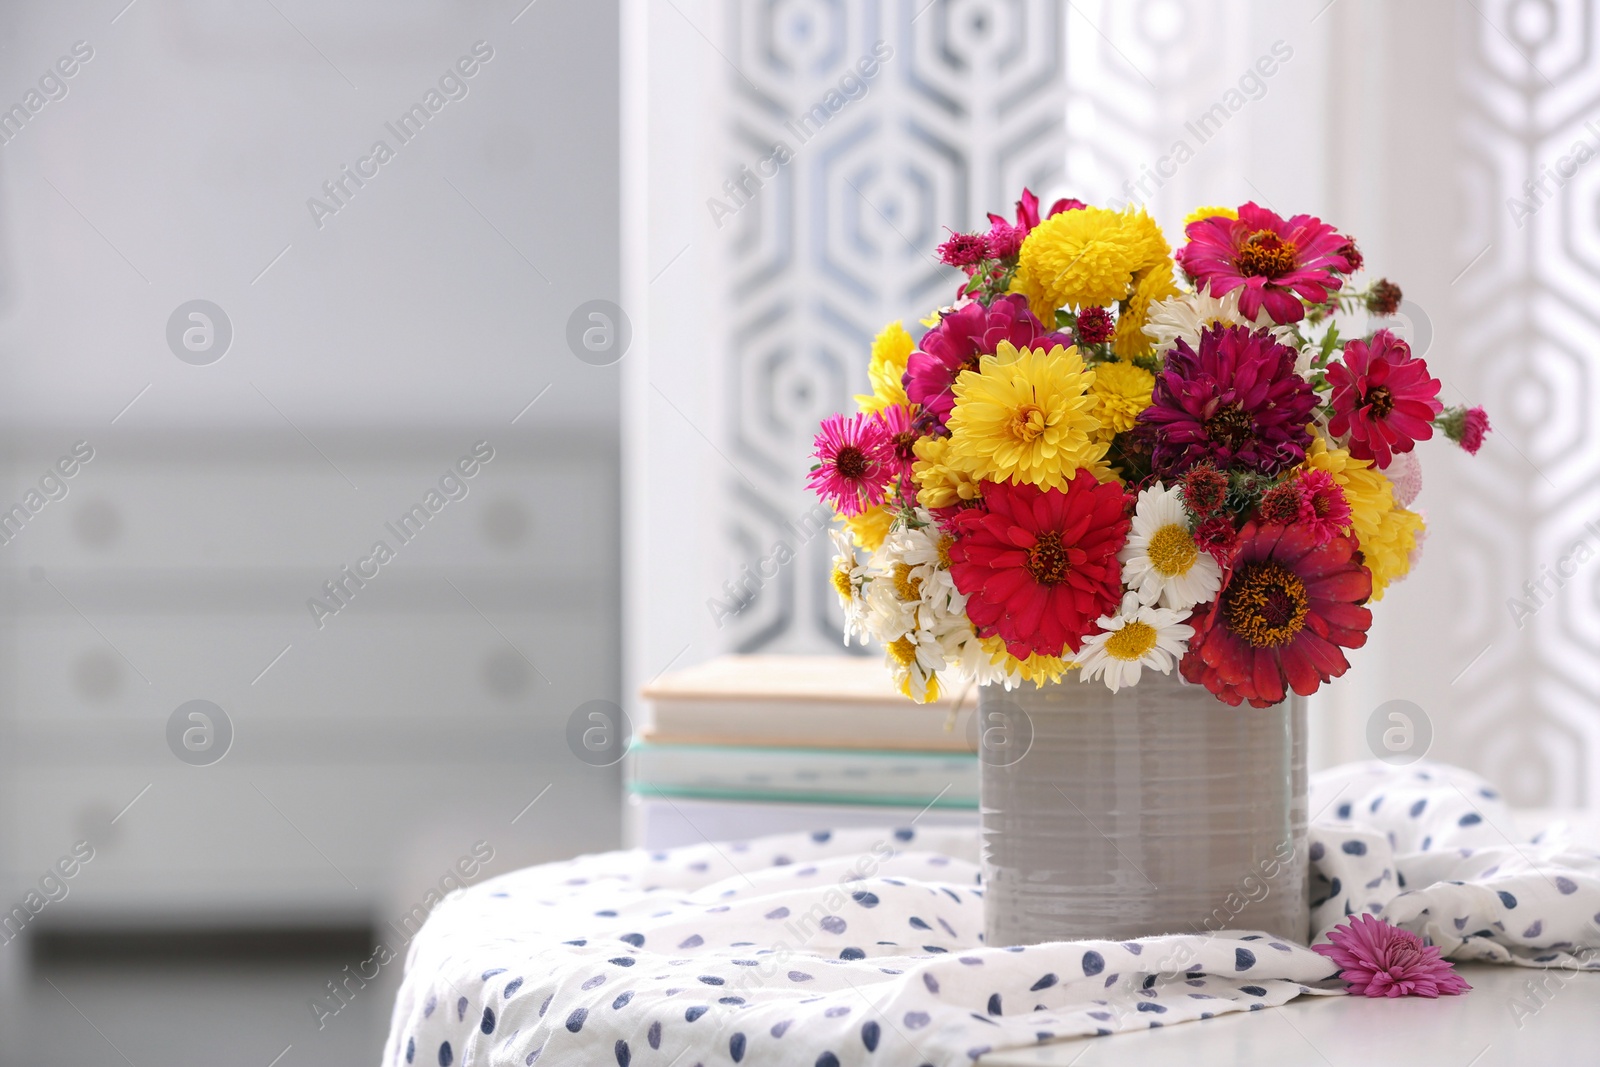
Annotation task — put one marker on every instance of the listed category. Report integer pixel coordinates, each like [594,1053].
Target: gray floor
[193,1015]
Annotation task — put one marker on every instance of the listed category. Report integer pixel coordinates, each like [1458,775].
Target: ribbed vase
[1154,810]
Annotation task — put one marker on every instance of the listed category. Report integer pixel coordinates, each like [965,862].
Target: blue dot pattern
[859,946]
[1434,849]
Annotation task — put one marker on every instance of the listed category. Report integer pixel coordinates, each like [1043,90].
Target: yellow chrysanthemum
[890,350]
[1150,286]
[1209,213]
[869,528]
[1083,257]
[940,485]
[1387,553]
[1121,391]
[1148,243]
[1036,668]
[1025,416]
[1369,494]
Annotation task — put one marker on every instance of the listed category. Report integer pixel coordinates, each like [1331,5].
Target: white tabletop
[1483,1028]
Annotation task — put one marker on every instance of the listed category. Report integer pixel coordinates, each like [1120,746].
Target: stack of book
[747,745]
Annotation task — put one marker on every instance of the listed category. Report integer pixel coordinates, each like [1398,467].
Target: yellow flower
[1036,668]
[940,485]
[1121,391]
[1387,553]
[1209,213]
[1386,533]
[1369,494]
[890,351]
[1025,416]
[869,528]
[1084,257]
[1151,285]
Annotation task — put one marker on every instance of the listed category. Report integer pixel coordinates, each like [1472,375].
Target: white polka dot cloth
[864,947]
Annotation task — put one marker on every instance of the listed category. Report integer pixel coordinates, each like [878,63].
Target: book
[668,822]
[802,701]
[809,775]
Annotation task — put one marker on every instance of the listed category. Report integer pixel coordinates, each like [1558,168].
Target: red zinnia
[1287,609]
[1277,261]
[1383,398]
[1039,566]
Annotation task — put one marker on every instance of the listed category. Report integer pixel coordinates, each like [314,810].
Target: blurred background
[240,346]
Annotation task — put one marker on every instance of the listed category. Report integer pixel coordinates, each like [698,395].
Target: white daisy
[915,659]
[849,578]
[1184,316]
[1160,560]
[924,548]
[1138,636]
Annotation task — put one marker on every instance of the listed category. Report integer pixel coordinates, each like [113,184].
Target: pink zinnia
[1323,508]
[961,338]
[1379,959]
[1277,261]
[855,460]
[1474,427]
[1383,397]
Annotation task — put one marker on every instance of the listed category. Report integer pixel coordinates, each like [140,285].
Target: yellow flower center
[1172,550]
[905,586]
[1132,641]
[945,541]
[1266,604]
[1027,423]
[1265,254]
[841,583]
[903,651]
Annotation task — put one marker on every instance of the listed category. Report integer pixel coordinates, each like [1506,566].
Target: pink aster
[1323,508]
[855,460]
[1383,398]
[896,419]
[1379,959]
[1278,261]
[961,338]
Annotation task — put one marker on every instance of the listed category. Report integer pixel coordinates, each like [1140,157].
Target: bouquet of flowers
[1092,460]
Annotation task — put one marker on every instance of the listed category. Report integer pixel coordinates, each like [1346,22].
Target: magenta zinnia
[1237,402]
[1383,398]
[961,338]
[1277,261]
[1380,959]
[1039,566]
[855,460]
[1287,609]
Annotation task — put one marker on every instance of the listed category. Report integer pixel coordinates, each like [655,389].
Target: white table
[1477,1029]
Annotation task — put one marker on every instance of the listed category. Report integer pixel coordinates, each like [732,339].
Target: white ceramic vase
[1158,809]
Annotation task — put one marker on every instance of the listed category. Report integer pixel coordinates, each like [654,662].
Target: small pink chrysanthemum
[1379,959]
[1323,507]
[964,250]
[1405,471]
[855,460]
[1474,427]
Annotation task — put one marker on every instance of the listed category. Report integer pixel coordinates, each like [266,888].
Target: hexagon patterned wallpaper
[896,119]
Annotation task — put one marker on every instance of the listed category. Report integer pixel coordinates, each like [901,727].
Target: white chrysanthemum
[1160,560]
[1138,636]
[1187,314]
[849,578]
[915,659]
